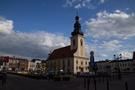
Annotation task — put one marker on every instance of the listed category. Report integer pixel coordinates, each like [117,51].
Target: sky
[34,28]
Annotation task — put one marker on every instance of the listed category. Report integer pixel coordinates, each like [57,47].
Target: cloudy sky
[33,28]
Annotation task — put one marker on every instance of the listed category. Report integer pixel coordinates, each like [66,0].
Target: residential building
[113,65]
[14,63]
[3,62]
[37,65]
[23,64]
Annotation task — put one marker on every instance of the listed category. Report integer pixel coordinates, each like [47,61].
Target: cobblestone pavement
[15,82]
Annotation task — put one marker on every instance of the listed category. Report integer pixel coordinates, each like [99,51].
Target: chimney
[134,55]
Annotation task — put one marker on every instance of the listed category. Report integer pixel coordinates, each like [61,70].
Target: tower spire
[77,26]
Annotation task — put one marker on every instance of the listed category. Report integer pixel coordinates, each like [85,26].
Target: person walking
[4,78]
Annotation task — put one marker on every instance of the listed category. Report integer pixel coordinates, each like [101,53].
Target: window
[86,62]
[76,61]
[86,68]
[68,62]
[81,41]
[77,68]
[81,62]
[63,65]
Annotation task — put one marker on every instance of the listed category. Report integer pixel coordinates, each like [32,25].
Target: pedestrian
[4,79]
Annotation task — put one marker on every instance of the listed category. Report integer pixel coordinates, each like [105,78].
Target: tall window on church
[73,42]
[81,41]
[63,65]
[68,62]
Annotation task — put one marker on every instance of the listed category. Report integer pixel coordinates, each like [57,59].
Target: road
[15,82]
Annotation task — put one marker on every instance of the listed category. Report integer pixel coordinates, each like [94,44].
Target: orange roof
[60,53]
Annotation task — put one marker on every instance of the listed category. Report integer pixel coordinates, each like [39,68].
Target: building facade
[113,66]
[14,63]
[37,66]
[72,58]
[4,62]
[23,65]
[33,64]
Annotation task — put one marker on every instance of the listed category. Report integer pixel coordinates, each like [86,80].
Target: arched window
[81,62]
[68,62]
[76,61]
[81,41]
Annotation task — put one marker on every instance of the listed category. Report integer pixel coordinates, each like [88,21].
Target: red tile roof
[4,58]
[7,58]
[60,53]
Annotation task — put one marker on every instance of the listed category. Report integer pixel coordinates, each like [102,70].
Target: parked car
[49,75]
[85,74]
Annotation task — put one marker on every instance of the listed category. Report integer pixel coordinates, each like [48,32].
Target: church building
[70,59]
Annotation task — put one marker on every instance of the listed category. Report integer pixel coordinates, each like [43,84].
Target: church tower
[77,39]
[71,58]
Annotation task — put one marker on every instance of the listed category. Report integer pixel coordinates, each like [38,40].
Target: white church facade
[72,58]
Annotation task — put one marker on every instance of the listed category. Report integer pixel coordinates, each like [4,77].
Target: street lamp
[119,57]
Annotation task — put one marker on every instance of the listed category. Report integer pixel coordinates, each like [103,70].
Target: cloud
[78,6]
[110,33]
[105,49]
[111,45]
[6,26]
[33,44]
[126,54]
[102,1]
[112,25]
[90,4]
[39,44]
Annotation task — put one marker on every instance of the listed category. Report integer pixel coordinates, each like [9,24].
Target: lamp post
[119,57]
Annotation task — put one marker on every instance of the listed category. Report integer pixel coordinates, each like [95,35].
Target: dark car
[49,75]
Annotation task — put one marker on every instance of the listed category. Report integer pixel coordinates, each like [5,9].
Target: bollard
[126,85]
[107,84]
[4,77]
[103,78]
[84,82]
[95,83]
[88,84]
